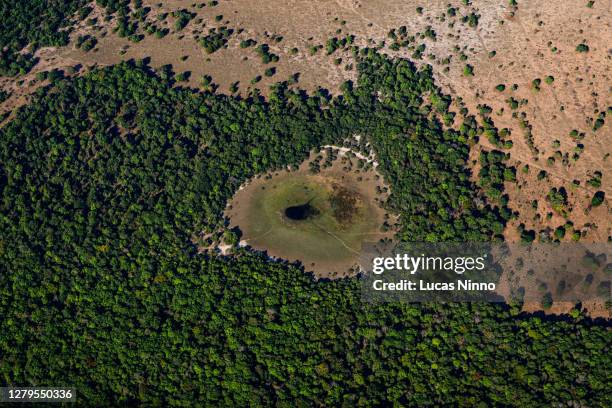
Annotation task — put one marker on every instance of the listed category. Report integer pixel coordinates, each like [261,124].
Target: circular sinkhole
[301,212]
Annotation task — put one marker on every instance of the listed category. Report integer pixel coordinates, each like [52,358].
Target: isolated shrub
[247,43]
[528,236]
[598,198]
[560,232]
[547,301]
[582,48]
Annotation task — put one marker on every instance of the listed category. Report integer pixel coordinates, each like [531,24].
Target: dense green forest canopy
[104,180]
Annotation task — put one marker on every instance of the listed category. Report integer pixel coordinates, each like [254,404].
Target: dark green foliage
[84,12]
[31,22]
[234,87]
[131,23]
[468,70]
[493,173]
[598,198]
[247,43]
[528,136]
[513,103]
[313,49]
[430,33]
[216,39]
[471,19]
[576,135]
[418,51]
[547,300]
[600,121]
[4,95]
[86,42]
[104,183]
[161,33]
[582,48]
[127,21]
[595,181]
[53,75]
[557,197]
[183,76]
[542,174]
[400,38]
[270,71]
[527,236]
[560,232]
[334,43]
[183,17]
[263,51]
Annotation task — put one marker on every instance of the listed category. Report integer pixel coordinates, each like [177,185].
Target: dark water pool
[300,212]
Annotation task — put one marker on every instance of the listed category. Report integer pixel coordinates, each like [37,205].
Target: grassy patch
[344,215]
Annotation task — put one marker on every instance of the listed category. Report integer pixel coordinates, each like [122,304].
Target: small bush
[598,198]
[582,48]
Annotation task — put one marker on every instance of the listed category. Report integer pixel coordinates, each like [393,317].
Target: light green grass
[318,239]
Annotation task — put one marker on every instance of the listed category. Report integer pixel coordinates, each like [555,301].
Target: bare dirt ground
[509,45]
